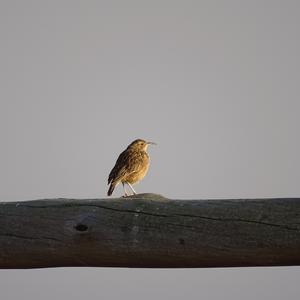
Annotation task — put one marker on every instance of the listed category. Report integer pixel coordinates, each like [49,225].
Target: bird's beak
[151,143]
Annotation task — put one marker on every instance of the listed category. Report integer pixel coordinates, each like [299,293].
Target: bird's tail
[111,188]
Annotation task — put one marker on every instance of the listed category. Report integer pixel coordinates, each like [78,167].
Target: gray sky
[214,83]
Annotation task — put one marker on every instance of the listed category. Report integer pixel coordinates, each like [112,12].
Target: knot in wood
[81,227]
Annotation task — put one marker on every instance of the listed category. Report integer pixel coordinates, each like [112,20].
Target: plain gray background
[214,83]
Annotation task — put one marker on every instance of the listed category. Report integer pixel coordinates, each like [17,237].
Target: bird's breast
[137,176]
[142,166]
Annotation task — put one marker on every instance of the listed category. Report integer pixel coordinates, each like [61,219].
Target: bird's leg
[125,192]
[134,192]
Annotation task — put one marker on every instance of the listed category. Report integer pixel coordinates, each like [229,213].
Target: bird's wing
[117,168]
[127,163]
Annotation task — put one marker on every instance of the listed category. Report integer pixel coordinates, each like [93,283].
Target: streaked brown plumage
[131,166]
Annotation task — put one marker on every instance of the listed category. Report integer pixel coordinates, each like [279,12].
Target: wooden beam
[149,231]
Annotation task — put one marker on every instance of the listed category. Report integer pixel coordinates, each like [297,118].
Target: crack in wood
[241,220]
[168,216]
[29,237]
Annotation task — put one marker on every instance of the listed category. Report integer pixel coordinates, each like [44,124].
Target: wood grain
[150,231]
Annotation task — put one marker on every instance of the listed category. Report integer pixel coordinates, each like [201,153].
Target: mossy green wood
[148,230]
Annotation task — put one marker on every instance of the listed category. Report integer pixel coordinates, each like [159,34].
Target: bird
[131,166]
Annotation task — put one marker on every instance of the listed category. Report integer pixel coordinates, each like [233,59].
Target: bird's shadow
[145,196]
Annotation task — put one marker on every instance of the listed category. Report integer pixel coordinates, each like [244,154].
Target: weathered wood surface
[148,230]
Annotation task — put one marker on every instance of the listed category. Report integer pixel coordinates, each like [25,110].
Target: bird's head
[140,144]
